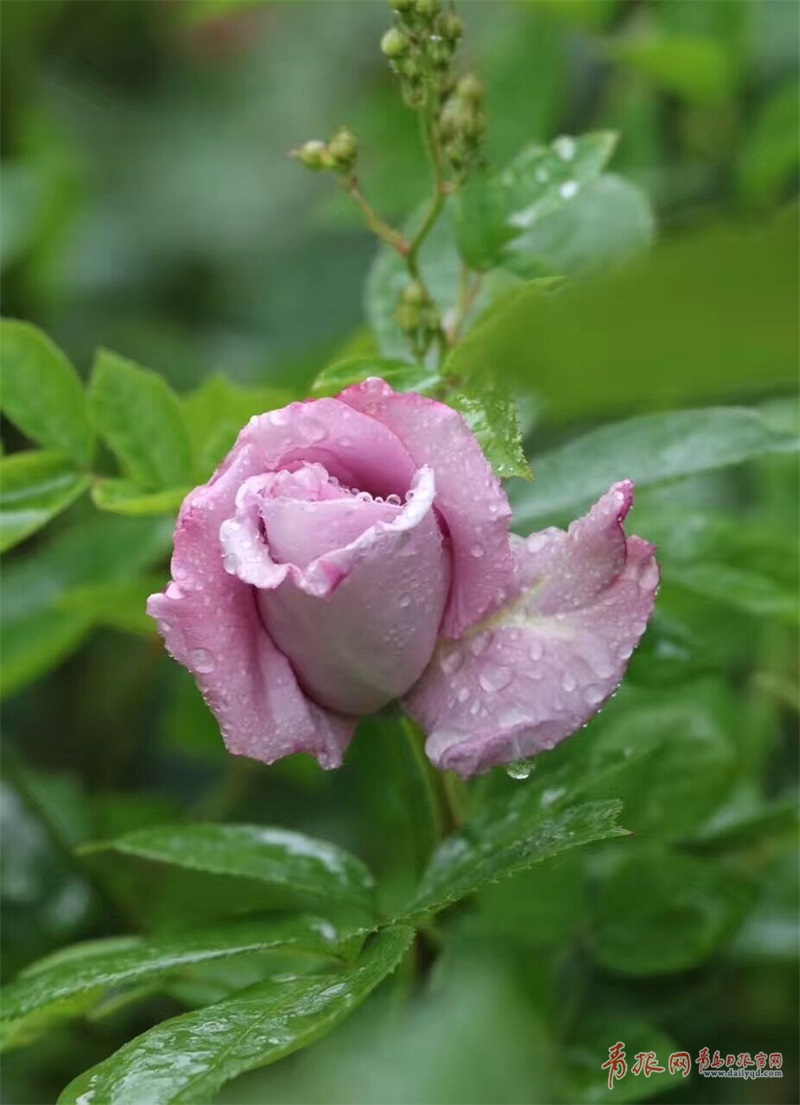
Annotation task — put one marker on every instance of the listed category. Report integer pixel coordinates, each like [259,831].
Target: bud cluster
[417,316]
[462,125]
[420,48]
[338,155]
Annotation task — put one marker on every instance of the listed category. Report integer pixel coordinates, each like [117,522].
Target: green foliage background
[148,209]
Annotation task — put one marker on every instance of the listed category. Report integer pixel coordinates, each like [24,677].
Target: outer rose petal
[469,497]
[540,668]
[210,623]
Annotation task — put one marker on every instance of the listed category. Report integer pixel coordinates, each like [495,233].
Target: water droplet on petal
[313,430]
[393,500]
[451,661]
[477,551]
[463,694]
[565,147]
[568,682]
[535,542]
[479,643]
[536,650]
[594,695]
[625,651]
[568,189]
[494,679]
[649,577]
[521,769]
[202,661]
[404,600]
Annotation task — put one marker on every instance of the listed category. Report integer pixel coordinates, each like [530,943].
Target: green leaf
[119,603]
[35,487]
[584,1080]
[140,418]
[42,393]
[188,1058]
[215,413]
[648,450]
[275,856]
[493,418]
[75,979]
[698,69]
[659,912]
[509,836]
[125,497]
[606,222]
[745,590]
[37,632]
[673,328]
[399,374]
[770,153]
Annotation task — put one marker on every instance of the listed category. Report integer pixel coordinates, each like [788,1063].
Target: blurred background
[148,206]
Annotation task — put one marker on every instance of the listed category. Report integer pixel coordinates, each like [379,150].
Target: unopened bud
[452,27]
[414,294]
[470,88]
[394,43]
[441,54]
[401,5]
[343,148]
[428,8]
[314,155]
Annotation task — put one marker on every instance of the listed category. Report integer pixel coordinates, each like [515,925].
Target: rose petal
[469,496]
[360,623]
[211,624]
[544,665]
[357,450]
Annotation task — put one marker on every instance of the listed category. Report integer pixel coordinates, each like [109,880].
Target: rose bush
[356,550]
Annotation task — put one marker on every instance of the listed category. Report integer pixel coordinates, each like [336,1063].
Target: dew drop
[625,652]
[568,189]
[649,577]
[463,694]
[535,542]
[202,661]
[568,682]
[393,500]
[451,661]
[475,707]
[230,562]
[477,551]
[536,650]
[521,769]
[313,430]
[494,679]
[479,643]
[565,147]
[404,601]
[594,695]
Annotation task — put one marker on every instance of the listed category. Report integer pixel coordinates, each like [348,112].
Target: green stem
[376,224]
[425,770]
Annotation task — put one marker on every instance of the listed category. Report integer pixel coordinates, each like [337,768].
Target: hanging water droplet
[494,679]
[230,562]
[594,695]
[202,661]
[625,651]
[404,600]
[568,682]
[521,769]
[313,430]
[393,500]
[477,551]
[565,147]
[451,661]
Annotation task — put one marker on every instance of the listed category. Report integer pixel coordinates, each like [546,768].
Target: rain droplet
[393,500]
[625,652]
[494,679]
[565,147]
[202,661]
[521,769]
[594,695]
[568,189]
[536,650]
[535,542]
[313,430]
[404,600]
[230,562]
[463,694]
[568,682]
[451,661]
[479,643]
[649,577]
[477,551]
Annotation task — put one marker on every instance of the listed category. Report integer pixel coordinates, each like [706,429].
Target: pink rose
[356,550]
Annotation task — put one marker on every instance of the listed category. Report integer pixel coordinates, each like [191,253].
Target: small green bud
[470,88]
[314,155]
[441,54]
[452,27]
[343,148]
[428,8]
[409,68]
[414,294]
[394,43]
[401,5]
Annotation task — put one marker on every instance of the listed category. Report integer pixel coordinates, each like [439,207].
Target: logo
[743,1065]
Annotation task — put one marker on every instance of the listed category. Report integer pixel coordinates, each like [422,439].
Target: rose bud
[356,550]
